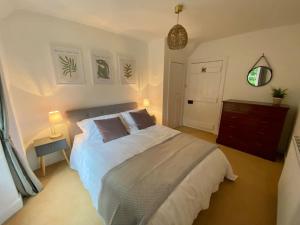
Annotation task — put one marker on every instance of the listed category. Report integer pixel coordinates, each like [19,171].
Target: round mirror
[259,76]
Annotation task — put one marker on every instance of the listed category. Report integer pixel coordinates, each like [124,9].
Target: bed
[93,160]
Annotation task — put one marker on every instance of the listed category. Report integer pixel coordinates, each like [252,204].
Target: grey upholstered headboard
[80,114]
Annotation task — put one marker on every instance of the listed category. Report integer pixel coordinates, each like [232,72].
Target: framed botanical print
[102,67]
[68,65]
[127,70]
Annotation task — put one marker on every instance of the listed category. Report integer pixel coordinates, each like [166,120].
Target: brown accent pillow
[111,129]
[142,119]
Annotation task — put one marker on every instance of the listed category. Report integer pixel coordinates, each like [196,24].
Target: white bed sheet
[93,159]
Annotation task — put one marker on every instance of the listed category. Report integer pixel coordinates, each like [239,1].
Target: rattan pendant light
[177,37]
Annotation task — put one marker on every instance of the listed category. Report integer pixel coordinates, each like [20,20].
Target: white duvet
[93,159]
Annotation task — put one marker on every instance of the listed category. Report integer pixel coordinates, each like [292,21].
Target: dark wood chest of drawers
[252,127]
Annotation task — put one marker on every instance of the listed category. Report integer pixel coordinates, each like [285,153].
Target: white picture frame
[68,65]
[102,67]
[127,69]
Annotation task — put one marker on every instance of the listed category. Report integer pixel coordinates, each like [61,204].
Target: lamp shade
[177,37]
[55,117]
[146,102]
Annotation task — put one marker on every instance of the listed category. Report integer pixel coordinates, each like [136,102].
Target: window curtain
[25,180]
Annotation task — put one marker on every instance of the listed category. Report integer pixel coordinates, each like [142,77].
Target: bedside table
[45,146]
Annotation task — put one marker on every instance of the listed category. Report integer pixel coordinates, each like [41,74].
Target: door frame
[222,84]
[167,84]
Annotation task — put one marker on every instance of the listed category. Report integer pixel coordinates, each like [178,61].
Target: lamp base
[53,136]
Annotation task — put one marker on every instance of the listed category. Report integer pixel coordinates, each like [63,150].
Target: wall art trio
[68,65]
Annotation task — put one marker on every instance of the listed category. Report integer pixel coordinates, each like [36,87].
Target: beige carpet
[251,200]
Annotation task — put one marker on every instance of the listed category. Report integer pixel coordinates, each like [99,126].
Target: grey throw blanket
[134,190]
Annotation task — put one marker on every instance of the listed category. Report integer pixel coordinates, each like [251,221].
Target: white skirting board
[199,125]
[11,209]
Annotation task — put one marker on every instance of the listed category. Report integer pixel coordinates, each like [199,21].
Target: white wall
[280,45]
[156,77]
[288,207]
[282,48]
[297,125]
[26,38]
[7,6]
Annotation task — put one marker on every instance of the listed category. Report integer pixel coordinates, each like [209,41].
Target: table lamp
[55,118]
[146,103]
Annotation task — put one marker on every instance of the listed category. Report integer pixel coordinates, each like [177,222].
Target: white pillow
[132,127]
[89,127]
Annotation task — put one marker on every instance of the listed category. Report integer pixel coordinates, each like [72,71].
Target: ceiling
[150,19]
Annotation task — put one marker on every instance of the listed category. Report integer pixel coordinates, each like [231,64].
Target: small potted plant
[278,94]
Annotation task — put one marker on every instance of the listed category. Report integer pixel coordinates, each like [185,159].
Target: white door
[176,94]
[204,94]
